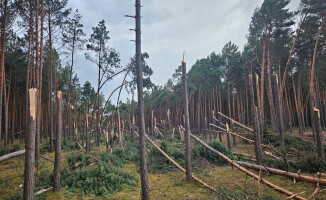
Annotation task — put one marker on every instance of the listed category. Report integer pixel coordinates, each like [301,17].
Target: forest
[243,123]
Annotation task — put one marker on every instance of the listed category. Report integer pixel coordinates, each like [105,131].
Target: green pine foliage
[101,180]
[212,157]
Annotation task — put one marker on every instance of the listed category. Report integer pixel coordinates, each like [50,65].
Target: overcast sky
[169,27]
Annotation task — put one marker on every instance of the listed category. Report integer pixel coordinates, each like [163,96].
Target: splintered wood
[32,100]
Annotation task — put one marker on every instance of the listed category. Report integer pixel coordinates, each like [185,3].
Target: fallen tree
[177,165]
[18,153]
[258,178]
[282,173]
[235,122]
[12,155]
[237,135]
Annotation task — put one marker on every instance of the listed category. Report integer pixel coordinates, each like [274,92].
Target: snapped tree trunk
[255,122]
[315,111]
[186,111]
[57,159]
[30,147]
[279,112]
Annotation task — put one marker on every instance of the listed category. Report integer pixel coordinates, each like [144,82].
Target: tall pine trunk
[228,137]
[142,143]
[270,90]
[186,112]
[2,61]
[50,82]
[279,111]
[38,112]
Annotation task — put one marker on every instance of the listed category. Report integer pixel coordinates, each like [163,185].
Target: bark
[30,147]
[324,29]
[255,122]
[319,135]
[142,143]
[38,112]
[279,112]
[7,107]
[133,120]
[2,60]
[69,84]
[50,87]
[186,111]
[13,116]
[88,148]
[262,79]
[282,173]
[232,124]
[57,159]
[229,109]
[39,122]
[314,105]
[259,114]
[269,90]
[297,109]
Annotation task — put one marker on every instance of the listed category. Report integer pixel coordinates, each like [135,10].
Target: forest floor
[171,184]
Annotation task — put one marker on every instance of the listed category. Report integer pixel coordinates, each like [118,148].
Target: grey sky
[170,27]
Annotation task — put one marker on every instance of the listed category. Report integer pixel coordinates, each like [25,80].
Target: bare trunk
[314,105]
[255,121]
[13,115]
[6,141]
[38,112]
[30,147]
[186,111]
[142,144]
[229,109]
[50,88]
[262,79]
[279,111]
[269,90]
[57,159]
[133,120]
[69,85]
[2,60]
